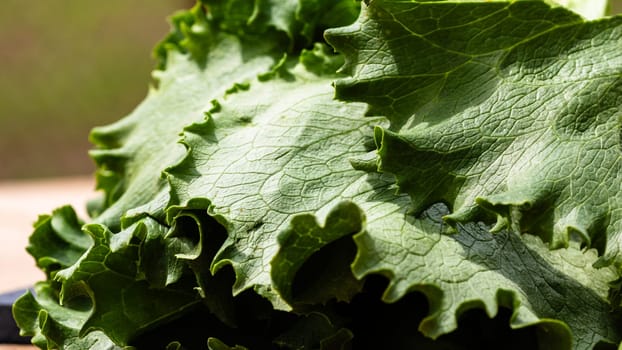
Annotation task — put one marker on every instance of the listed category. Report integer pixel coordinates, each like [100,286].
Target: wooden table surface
[20,204]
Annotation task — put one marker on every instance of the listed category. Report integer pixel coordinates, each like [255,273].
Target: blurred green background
[69,65]
[66,66]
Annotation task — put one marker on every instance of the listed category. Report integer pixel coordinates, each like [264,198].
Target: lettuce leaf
[524,127]
[259,199]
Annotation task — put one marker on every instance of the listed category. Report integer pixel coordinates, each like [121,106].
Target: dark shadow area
[378,325]
[327,275]
[256,324]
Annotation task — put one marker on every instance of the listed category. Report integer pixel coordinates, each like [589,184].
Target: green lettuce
[447,179]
